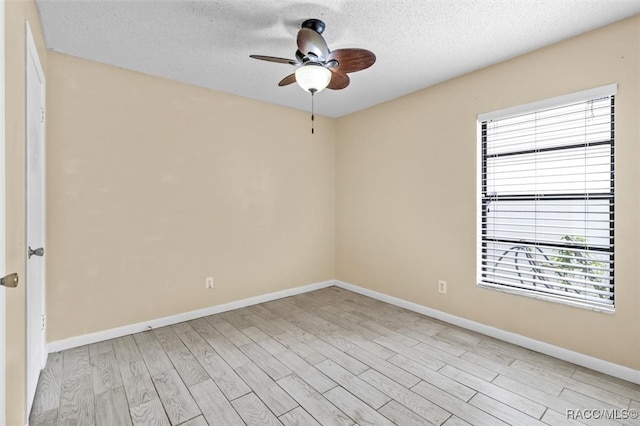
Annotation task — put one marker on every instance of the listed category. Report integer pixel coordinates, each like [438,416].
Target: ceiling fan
[317,66]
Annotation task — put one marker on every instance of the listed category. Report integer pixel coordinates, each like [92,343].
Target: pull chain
[312,111]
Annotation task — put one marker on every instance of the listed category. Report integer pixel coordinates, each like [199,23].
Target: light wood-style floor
[326,357]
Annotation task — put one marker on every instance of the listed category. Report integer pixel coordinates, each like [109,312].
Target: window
[546,199]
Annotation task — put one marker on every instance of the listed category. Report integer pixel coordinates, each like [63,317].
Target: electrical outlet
[442,286]
[208,282]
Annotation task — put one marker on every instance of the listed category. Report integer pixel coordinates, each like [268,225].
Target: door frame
[31,54]
[3,312]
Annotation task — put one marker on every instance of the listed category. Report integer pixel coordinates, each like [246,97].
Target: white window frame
[582,96]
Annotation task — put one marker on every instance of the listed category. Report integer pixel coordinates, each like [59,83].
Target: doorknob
[10,280]
[37,252]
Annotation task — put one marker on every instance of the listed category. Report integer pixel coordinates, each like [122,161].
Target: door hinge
[42,116]
[43,324]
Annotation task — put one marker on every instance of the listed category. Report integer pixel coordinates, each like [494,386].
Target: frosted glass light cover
[312,77]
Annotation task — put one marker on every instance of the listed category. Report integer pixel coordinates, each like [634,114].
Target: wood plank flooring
[329,357]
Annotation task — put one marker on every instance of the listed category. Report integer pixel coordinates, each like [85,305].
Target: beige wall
[16,12]
[406,193]
[153,185]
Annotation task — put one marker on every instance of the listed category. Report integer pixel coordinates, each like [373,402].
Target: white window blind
[547,199]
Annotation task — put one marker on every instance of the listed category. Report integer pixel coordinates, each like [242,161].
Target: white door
[36,351]
[3,347]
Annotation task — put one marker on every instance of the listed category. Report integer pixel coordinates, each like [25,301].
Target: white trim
[587,361]
[584,95]
[73,342]
[33,51]
[479,160]
[605,309]
[3,317]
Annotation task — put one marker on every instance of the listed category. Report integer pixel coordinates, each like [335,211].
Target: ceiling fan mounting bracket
[314,24]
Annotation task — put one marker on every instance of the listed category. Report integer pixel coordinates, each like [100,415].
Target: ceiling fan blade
[339,80]
[310,41]
[275,59]
[291,78]
[352,60]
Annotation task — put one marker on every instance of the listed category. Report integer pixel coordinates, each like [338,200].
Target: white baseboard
[73,342]
[587,361]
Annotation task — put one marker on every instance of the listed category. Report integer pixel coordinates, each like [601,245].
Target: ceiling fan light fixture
[313,77]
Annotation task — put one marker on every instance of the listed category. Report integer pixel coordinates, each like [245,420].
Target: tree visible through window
[547,199]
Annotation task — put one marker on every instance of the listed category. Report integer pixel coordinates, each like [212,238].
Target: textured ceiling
[418,43]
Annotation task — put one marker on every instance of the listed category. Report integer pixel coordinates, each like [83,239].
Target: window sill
[550,298]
